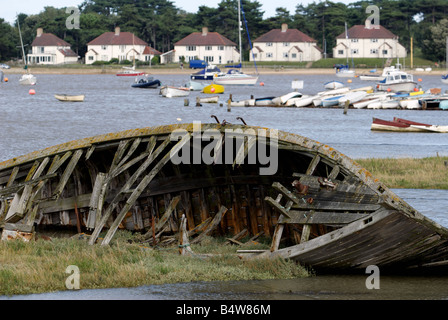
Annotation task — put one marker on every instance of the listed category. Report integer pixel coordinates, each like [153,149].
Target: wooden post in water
[186,102]
[347,103]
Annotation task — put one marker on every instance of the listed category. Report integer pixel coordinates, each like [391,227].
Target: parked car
[4,66]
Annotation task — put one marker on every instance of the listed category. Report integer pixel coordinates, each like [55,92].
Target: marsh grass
[40,266]
[409,173]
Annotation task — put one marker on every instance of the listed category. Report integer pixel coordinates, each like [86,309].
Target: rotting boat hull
[337,216]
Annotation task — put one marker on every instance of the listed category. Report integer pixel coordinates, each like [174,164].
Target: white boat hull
[172,92]
[236,81]
[397,87]
[28,79]
[69,98]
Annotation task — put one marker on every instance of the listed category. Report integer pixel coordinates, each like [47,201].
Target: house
[50,49]
[118,45]
[286,45]
[367,41]
[209,46]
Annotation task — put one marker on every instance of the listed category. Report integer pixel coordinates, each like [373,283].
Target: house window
[191,48]
[294,55]
[255,55]
[269,55]
[208,58]
[208,48]
[90,58]
[385,52]
[373,51]
[221,48]
[104,47]
[122,47]
[286,44]
[340,52]
[355,51]
[42,49]
[374,40]
[268,44]
[285,55]
[354,40]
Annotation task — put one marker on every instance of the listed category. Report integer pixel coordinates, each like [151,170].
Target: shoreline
[187,71]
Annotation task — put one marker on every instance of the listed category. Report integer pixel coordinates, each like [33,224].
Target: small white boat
[375,105]
[333,85]
[171,92]
[345,73]
[413,105]
[196,85]
[364,103]
[242,103]
[305,101]
[354,96]
[334,92]
[284,98]
[267,101]
[214,99]
[331,101]
[433,128]
[70,98]
[390,104]
[28,79]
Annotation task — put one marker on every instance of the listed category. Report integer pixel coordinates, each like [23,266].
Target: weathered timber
[328,211]
[184,244]
[161,223]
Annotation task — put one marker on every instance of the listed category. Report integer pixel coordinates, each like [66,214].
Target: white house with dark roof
[288,45]
[118,45]
[50,49]
[209,46]
[368,41]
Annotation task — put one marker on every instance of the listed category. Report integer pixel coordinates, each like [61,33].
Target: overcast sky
[9,11]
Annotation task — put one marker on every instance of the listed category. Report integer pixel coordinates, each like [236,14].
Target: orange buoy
[420,80]
[389,90]
[32,92]
[6,79]
[415,89]
[349,81]
[212,89]
[261,83]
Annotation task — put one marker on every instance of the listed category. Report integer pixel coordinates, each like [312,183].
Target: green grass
[409,173]
[40,266]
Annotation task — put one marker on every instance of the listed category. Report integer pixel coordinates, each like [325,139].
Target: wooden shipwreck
[318,206]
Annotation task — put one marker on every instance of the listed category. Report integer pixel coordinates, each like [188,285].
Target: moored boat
[146,83]
[213,89]
[70,98]
[171,91]
[398,125]
[397,81]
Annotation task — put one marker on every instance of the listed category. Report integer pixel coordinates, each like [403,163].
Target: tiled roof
[149,50]
[361,32]
[209,39]
[68,52]
[110,38]
[289,35]
[49,39]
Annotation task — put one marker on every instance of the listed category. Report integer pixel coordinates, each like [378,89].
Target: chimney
[204,31]
[117,31]
[284,27]
[40,31]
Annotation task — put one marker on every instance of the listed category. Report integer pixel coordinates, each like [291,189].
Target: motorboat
[397,81]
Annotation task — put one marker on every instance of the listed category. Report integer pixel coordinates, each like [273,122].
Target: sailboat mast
[21,42]
[239,30]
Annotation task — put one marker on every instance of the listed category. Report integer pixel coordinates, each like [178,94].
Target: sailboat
[130,71]
[235,76]
[343,71]
[27,78]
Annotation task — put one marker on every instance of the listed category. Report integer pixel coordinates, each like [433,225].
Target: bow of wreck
[318,206]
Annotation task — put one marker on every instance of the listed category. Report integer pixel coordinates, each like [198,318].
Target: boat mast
[21,43]
[239,31]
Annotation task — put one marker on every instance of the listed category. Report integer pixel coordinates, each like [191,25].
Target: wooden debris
[184,244]
[213,224]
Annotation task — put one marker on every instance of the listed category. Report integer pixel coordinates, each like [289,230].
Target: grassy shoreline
[409,173]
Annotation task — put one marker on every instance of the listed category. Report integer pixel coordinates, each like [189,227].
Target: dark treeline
[161,23]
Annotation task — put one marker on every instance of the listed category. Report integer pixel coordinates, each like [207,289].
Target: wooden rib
[141,187]
[67,173]
[313,164]
[212,225]
[12,177]
[94,200]
[334,173]
[165,217]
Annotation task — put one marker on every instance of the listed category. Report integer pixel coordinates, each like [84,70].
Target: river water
[33,122]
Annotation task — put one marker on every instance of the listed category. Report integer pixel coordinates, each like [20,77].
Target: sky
[9,11]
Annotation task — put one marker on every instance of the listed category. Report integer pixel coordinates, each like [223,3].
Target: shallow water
[33,122]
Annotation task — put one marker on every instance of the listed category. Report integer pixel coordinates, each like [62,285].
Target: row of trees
[161,23]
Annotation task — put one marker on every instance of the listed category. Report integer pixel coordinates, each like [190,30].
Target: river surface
[33,122]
